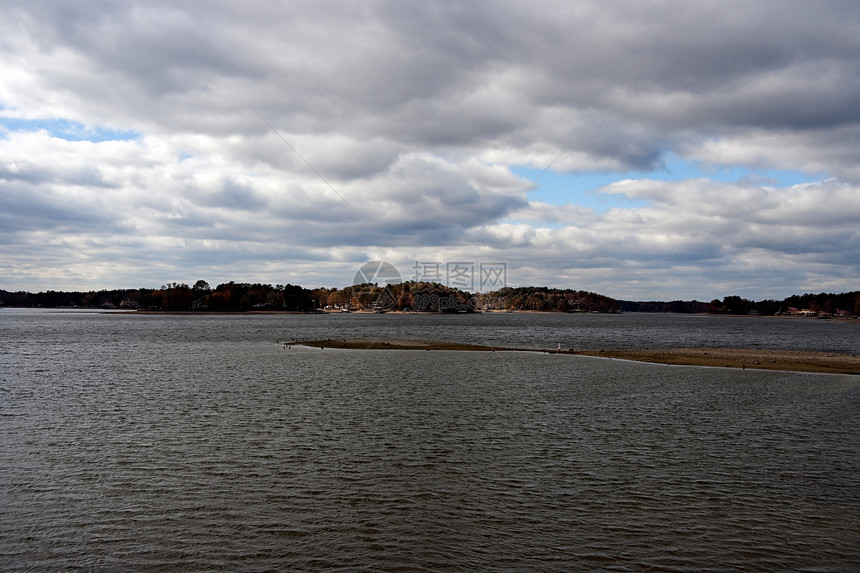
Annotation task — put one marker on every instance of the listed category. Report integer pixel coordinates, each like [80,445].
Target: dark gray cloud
[444,74]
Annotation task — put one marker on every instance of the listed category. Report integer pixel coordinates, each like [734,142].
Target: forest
[410,296]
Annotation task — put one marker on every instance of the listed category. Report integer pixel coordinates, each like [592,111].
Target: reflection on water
[174,443]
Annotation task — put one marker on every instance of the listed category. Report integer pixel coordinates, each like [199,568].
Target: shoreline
[204,312]
[740,358]
[397,344]
[214,312]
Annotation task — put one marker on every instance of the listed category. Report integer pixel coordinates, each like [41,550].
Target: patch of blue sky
[68,130]
[583,188]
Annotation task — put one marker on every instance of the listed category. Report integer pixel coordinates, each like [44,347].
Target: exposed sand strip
[394,344]
[799,361]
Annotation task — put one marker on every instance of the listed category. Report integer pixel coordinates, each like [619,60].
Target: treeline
[819,303]
[551,299]
[234,296]
[847,302]
[408,296]
[681,306]
[435,297]
[405,296]
[230,296]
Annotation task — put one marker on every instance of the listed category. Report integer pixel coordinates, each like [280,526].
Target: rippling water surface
[200,443]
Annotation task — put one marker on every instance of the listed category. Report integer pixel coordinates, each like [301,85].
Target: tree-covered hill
[409,296]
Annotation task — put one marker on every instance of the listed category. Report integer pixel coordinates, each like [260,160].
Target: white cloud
[832,151]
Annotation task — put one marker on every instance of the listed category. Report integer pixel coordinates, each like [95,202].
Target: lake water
[176,443]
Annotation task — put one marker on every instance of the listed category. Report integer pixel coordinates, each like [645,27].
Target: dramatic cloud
[148,142]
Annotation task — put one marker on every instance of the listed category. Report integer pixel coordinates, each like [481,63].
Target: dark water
[190,444]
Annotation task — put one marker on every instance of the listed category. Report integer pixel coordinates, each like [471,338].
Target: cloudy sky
[642,150]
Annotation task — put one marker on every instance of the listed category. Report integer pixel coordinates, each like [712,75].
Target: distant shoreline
[740,358]
[216,312]
[849,319]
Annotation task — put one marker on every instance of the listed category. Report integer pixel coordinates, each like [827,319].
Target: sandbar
[395,344]
[742,358]
[793,360]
